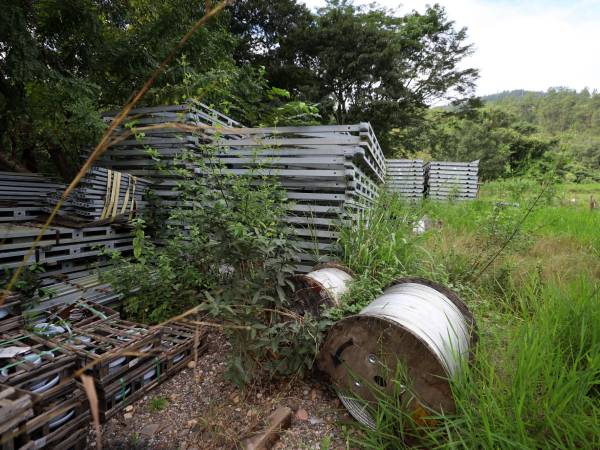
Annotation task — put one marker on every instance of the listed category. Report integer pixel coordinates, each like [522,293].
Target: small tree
[228,251]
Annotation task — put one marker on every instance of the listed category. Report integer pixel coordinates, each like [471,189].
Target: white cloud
[531,45]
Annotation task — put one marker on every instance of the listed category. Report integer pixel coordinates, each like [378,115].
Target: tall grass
[535,382]
[378,247]
[549,219]
[542,390]
[381,238]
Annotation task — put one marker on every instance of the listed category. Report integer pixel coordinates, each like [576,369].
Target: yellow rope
[133,203]
[107,195]
[126,199]
[114,204]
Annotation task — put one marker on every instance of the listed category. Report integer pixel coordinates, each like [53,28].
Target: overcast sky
[528,44]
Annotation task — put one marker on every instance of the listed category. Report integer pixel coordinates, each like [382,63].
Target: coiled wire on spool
[417,324]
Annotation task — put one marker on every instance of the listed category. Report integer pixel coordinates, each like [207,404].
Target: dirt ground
[199,409]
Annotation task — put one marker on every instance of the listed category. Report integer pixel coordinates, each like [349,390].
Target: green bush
[227,252]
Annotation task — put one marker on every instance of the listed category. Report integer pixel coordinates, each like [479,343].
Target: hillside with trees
[514,133]
[570,116]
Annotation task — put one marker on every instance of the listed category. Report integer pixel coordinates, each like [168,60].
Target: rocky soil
[199,409]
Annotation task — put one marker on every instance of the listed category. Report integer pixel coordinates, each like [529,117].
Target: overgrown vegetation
[227,252]
[259,61]
[571,116]
[524,258]
[536,377]
[514,135]
[533,386]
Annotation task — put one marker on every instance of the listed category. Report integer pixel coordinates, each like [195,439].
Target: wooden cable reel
[416,324]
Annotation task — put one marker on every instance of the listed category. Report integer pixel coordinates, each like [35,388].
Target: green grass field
[535,382]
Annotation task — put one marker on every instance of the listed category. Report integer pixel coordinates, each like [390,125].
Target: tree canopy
[363,64]
[262,62]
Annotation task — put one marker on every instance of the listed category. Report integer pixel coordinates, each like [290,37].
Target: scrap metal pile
[126,360]
[59,321]
[330,174]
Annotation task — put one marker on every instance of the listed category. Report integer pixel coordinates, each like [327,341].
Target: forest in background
[518,133]
[62,62]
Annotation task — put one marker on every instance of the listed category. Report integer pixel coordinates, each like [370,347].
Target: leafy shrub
[227,251]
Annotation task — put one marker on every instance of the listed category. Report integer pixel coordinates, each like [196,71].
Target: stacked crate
[452,180]
[10,312]
[15,410]
[126,359]
[178,345]
[406,177]
[44,372]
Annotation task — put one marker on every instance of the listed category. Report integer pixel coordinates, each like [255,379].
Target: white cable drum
[417,326]
[325,285]
[334,280]
[428,314]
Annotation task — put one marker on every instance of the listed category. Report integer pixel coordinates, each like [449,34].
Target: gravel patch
[199,409]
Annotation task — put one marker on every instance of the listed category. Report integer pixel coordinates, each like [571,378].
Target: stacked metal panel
[26,189]
[23,195]
[452,180]
[82,290]
[103,194]
[168,133]
[329,173]
[61,250]
[406,177]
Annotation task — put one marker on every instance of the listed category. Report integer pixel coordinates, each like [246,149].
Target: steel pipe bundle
[452,180]
[405,177]
[418,333]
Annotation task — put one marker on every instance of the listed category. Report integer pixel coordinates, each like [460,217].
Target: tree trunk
[9,164]
[29,160]
[60,162]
